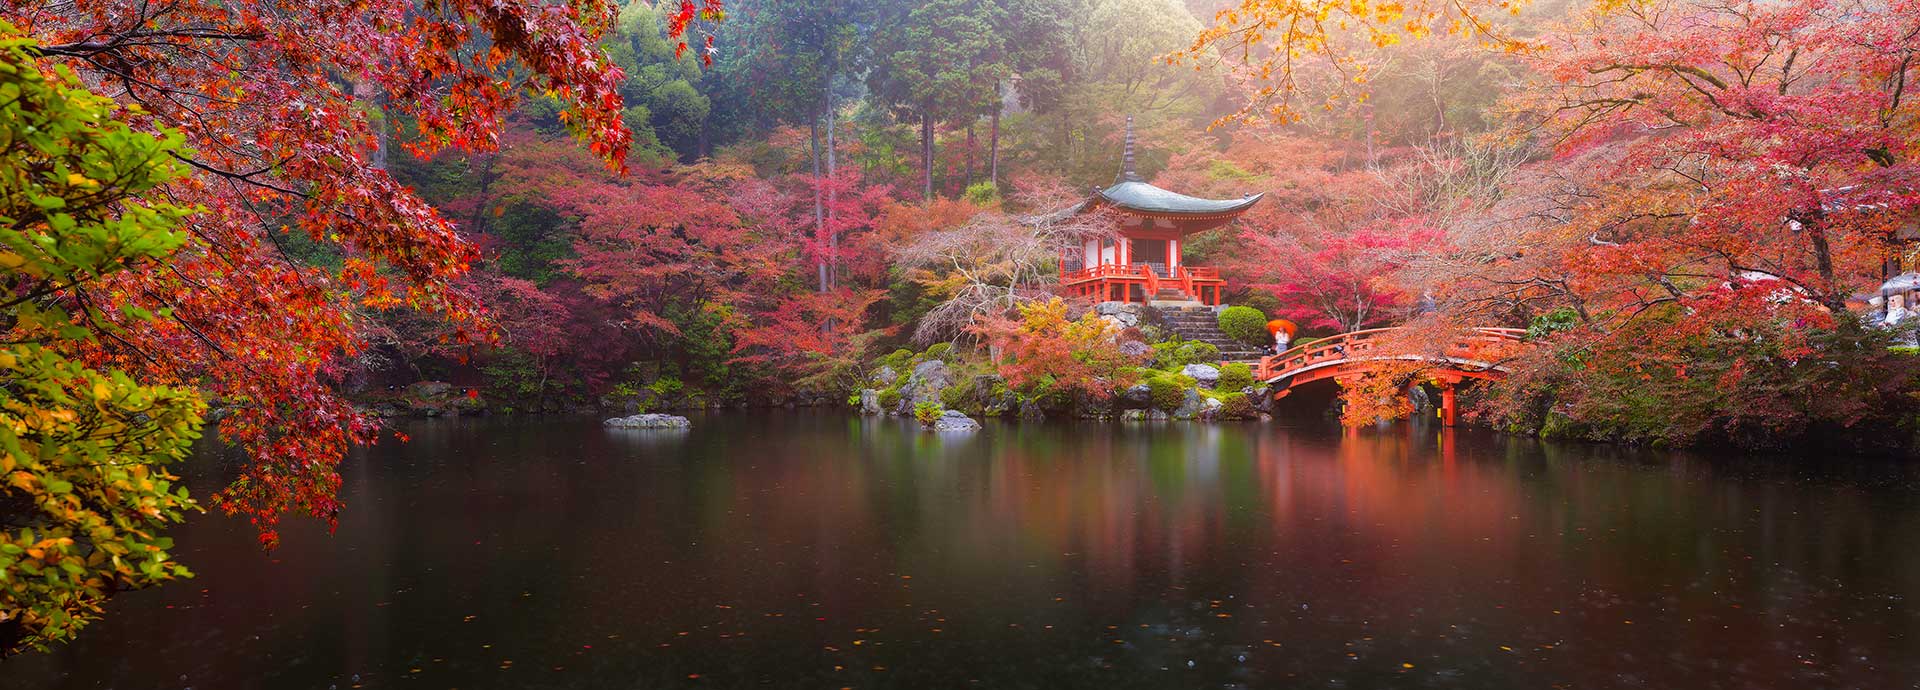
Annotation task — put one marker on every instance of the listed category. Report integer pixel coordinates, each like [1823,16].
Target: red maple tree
[287,108]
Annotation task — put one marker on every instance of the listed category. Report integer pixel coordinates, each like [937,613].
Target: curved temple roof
[1140,196]
[1130,192]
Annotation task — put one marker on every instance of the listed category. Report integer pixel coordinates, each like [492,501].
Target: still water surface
[813,550]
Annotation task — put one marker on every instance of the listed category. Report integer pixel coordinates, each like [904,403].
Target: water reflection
[816,550]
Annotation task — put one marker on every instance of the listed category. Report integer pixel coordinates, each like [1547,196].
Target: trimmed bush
[1234,376]
[1169,390]
[1245,324]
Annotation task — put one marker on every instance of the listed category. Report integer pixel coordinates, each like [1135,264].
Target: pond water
[815,550]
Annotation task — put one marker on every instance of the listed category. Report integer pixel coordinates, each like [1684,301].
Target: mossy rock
[1234,377]
[1169,391]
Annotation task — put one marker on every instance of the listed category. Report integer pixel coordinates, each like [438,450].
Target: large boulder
[1212,410]
[1122,314]
[955,420]
[1191,407]
[925,384]
[870,402]
[1206,374]
[649,421]
[993,395]
[884,376]
[1136,397]
[429,390]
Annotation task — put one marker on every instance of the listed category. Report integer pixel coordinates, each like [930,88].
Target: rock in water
[650,421]
[870,402]
[1190,408]
[954,420]
[429,390]
[1211,410]
[926,382]
[1136,397]
[1207,375]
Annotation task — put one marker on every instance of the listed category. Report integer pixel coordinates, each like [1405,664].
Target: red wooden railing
[1188,278]
[1477,347]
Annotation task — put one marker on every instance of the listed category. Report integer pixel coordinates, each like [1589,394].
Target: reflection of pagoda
[1144,262]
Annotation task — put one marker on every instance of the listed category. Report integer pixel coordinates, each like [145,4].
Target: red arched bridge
[1472,354]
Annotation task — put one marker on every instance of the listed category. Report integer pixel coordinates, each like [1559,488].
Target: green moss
[956,396]
[1169,391]
[898,359]
[1237,406]
[1234,376]
[889,397]
[1171,355]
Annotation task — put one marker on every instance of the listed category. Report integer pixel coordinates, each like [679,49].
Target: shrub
[928,412]
[1552,322]
[1169,391]
[1245,324]
[667,387]
[937,351]
[1234,376]
[982,193]
[889,397]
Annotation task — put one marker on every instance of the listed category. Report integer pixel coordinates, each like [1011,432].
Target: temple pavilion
[1144,263]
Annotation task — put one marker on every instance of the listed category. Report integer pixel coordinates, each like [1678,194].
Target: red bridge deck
[1474,354]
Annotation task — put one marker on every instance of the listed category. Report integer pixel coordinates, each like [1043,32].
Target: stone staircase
[1196,321]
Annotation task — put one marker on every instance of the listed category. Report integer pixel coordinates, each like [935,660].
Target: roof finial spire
[1126,157]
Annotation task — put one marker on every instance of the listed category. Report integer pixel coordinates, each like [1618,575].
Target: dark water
[819,551]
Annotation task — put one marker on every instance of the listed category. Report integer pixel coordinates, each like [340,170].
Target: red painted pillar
[1447,403]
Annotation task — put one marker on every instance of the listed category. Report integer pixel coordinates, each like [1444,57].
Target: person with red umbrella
[1282,331]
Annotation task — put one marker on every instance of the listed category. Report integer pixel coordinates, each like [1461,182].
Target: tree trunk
[833,194]
[993,145]
[926,150]
[1814,223]
[970,147]
[819,217]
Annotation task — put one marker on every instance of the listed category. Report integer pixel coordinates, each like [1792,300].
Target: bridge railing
[1364,345]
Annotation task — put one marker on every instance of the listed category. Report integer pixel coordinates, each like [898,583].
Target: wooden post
[1446,403]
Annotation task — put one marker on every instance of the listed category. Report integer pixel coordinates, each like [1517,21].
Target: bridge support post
[1447,403]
